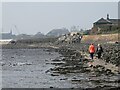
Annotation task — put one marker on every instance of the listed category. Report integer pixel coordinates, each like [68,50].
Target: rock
[108,72]
[14,64]
[51,87]
[12,57]
[63,78]
[73,37]
[54,75]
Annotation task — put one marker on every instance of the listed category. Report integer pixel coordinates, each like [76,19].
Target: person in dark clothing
[99,51]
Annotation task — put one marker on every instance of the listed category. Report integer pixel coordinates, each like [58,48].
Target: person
[99,51]
[91,50]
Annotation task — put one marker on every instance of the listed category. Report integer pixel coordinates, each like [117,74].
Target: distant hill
[39,35]
[58,32]
[25,36]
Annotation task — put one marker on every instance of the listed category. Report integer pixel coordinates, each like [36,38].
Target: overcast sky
[33,17]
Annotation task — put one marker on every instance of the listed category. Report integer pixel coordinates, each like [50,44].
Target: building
[6,35]
[105,25]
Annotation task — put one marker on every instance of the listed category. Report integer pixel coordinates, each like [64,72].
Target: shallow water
[29,68]
[26,68]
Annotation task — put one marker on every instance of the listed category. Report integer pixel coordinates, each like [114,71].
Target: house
[104,25]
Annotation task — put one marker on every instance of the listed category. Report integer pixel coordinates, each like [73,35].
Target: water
[26,68]
[29,68]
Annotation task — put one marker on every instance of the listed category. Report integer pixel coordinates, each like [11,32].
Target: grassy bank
[100,38]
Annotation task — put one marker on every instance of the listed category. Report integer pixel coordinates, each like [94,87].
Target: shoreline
[96,61]
[75,61]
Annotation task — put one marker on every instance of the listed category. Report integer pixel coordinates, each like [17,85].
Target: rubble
[73,37]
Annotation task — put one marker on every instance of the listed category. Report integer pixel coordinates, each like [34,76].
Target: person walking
[99,51]
[91,50]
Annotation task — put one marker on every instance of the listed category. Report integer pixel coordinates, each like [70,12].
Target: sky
[33,17]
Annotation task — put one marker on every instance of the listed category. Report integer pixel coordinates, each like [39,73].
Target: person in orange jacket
[91,50]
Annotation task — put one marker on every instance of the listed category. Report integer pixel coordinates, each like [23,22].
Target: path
[101,62]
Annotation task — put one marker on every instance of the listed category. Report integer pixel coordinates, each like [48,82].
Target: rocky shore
[73,62]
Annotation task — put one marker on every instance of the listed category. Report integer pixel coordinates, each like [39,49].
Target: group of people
[92,50]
